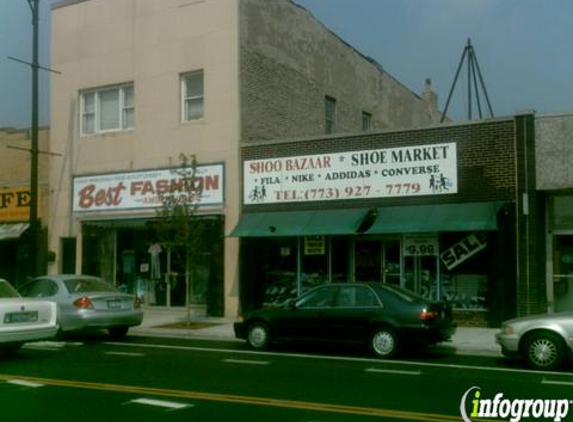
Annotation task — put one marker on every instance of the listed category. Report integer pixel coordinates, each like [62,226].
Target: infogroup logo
[514,409]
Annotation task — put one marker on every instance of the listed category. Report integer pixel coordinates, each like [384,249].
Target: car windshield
[85,285]
[6,290]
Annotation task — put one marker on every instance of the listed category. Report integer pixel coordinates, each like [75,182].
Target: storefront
[560,252]
[434,217]
[127,237]
[14,240]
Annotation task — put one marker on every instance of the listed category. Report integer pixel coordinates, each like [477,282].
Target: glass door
[377,260]
[367,260]
[421,264]
[563,272]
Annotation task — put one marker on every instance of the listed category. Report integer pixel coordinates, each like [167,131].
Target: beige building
[144,81]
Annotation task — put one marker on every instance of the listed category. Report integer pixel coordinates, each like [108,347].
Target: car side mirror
[291,304]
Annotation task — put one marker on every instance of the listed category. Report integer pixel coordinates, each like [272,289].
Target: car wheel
[258,335]
[118,333]
[544,351]
[384,342]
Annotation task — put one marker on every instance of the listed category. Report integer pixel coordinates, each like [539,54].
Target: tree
[178,226]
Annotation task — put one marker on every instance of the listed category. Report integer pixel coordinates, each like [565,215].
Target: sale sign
[144,189]
[379,173]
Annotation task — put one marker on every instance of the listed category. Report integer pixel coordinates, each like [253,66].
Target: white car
[23,320]
[544,341]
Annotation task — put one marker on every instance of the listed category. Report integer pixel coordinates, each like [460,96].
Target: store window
[464,268]
[562,250]
[314,268]
[279,262]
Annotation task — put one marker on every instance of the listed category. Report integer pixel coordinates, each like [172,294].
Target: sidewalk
[159,322]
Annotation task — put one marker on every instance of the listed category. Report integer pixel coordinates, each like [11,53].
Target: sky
[524,49]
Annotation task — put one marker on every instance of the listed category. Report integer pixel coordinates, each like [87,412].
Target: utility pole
[34,225]
[34,229]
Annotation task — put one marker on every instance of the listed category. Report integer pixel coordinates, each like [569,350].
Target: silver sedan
[544,341]
[87,302]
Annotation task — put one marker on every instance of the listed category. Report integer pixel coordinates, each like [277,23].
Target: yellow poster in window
[314,245]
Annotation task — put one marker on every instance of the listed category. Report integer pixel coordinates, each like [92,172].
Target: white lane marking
[248,362]
[161,403]
[551,382]
[337,358]
[50,345]
[392,371]
[125,354]
[24,383]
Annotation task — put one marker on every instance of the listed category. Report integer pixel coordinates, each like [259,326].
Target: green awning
[436,218]
[299,223]
[12,231]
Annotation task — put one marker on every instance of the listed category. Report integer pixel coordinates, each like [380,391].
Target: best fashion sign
[143,189]
[380,173]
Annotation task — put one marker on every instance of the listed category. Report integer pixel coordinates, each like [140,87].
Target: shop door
[377,260]
[563,272]
[421,265]
[420,274]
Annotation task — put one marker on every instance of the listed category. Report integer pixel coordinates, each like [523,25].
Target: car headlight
[508,329]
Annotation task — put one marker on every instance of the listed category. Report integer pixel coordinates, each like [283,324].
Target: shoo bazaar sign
[15,204]
[379,173]
[143,189]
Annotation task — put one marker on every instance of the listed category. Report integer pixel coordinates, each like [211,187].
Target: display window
[464,270]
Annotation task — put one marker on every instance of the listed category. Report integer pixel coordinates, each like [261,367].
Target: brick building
[448,211]
[146,81]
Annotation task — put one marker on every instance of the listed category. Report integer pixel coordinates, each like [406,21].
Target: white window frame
[123,110]
[185,99]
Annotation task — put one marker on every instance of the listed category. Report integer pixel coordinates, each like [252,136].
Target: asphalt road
[148,379]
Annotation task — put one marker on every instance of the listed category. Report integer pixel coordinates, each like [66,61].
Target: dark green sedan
[384,317]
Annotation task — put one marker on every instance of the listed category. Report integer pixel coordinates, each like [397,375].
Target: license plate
[114,304]
[15,317]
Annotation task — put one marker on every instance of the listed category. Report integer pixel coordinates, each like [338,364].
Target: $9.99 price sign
[420,244]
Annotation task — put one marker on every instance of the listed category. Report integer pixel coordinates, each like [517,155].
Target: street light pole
[34,245]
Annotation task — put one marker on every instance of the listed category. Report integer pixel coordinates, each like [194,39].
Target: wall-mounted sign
[380,173]
[420,244]
[314,245]
[143,189]
[464,249]
[15,204]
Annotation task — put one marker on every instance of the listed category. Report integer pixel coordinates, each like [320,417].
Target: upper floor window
[192,96]
[366,120]
[329,114]
[107,109]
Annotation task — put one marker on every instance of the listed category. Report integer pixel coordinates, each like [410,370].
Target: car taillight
[137,303]
[83,302]
[426,315]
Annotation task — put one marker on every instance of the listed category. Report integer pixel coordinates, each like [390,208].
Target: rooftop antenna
[472,69]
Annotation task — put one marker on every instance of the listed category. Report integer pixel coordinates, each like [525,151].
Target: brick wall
[486,160]
[289,61]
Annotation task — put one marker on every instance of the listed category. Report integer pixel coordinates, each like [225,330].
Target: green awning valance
[436,218]
[300,223]
[477,216]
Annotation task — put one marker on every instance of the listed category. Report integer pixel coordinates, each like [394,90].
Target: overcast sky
[524,49]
